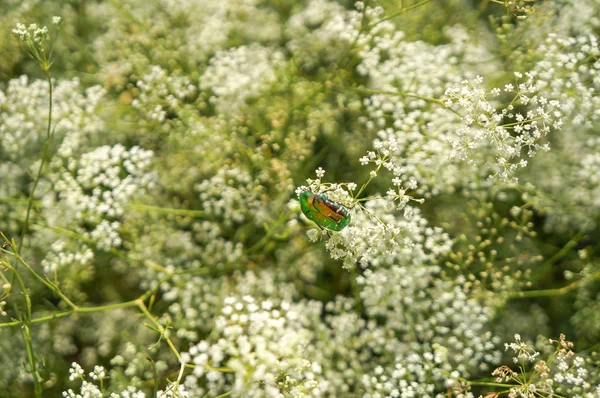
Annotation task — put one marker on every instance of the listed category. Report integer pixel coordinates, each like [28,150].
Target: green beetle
[324,212]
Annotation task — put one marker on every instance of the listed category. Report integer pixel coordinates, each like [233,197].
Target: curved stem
[553,292]
[167,210]
[282,219]
[49,136]
[400,11]
[140,304]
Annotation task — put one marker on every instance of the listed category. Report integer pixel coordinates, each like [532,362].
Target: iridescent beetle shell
[324,212]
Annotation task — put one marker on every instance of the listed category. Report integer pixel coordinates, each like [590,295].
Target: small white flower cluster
[394,64]
[33,32]
[568,73]
[264,352]
[575,17]
[173,390]
[171,42]
[406,79]
[132,361]
[98,373]
[218,20]
[377,236]
[24,132]
[5,291]
[562,374]
[2,305]
[58,258]
[507,133]
[161,94]
[96,188]
[240,74]
[522,350]
[87,390]
[229,195]
[416,145]
[195,299]
[321,32]
[90,390]
[413,375]
[76,372]
[415,301]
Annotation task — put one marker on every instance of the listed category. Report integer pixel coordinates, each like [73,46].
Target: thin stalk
[63,314]
[521,122]
[49,136]
[362,188]
[401,94]
[400,11]
[78,309]
[272,230]
[553,292]
[46,282]
[140,304]
[490,384]
[167,210]
[439,101]
[37,386]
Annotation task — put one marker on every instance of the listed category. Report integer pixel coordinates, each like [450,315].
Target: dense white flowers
[33,32]
[102,181]
[93,388]
[160,94]
[562,373]
[237,75]
[227,195]
[256,342]
[23,131]
[509,133]
[377,237]
[58,258]
[96,187]
[153,237]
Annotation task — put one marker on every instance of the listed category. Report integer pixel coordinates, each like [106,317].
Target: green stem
[109,307]
[167,210]
[553,292]
[438,101]
[490,384]
[27,335]
[521,122]
[140,304]
[400,11]
[48,284]
[49,136]
[63,314]
[37,386]
[565,250]
[362,188]
[272,230]
[401,94]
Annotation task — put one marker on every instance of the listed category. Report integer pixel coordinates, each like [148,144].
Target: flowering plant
[163,233]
